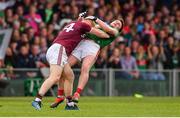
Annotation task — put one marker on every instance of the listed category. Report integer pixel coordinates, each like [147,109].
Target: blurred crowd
[150,38]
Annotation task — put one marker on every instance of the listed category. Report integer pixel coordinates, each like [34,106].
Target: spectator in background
[141,58]
[66,12]
[43,49]
[114,60]
[16,35]
[22,59]
[156,58]
[177,33]
[30,34]
[9,59]
[48,12]
[101,61]
[162,38]
[34,57]
[121,46]
[152,40]
[20,11]
[9,63]
[140,24]
[147,29]
[33,18]
[9,17]
[2,73]
[171,52]
[43,32]
[26,4]
[127,33]
[23,40]
[13,47]
[36,40]
[129,65]
[2,23]
[75,12]
[134,47]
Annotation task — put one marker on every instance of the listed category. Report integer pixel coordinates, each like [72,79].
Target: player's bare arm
[95,30]
[106,27]
[112,29]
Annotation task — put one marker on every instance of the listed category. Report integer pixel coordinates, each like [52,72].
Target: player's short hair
[122,22]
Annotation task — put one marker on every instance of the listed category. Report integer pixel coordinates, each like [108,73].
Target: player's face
[116,24]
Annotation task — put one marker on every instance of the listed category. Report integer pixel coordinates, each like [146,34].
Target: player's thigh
[57,58]
[56,55]
[88,62]
[90,52]
[68,72]
[72,60]
[55,71]
[77,52]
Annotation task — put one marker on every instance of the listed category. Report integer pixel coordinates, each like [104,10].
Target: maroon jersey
[71,35]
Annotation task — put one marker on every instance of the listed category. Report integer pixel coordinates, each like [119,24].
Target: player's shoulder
[78,23]
[72,22]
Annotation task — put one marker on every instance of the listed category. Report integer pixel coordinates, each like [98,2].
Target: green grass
[95,106]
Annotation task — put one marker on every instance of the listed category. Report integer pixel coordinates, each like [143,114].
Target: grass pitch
[94,106]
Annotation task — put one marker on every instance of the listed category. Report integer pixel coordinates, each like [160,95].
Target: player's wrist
[93,18]
[97,20]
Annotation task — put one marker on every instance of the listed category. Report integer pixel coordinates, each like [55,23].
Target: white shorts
[85,48]
[56,54]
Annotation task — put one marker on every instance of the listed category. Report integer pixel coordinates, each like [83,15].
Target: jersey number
[69,27]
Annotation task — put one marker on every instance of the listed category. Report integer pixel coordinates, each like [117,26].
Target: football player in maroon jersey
[57,56]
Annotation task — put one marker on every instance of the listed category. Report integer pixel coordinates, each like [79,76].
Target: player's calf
[76,97]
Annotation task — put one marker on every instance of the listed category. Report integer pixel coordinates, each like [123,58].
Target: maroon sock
[79,90]
[60,92]
[39,96]
[69,98]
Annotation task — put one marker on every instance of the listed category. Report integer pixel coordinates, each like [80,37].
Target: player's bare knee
[54,77]
[85,69]
[70,76]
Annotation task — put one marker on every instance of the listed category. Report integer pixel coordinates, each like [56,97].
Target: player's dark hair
[122,22]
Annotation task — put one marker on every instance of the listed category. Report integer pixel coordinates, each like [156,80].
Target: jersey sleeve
[85,27]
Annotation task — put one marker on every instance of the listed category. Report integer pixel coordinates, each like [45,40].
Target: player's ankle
[79,90]
[69,99]
[38,98]
[76,96]
[60,92]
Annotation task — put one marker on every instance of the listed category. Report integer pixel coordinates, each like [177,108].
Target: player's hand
[94,18]
[83,14]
